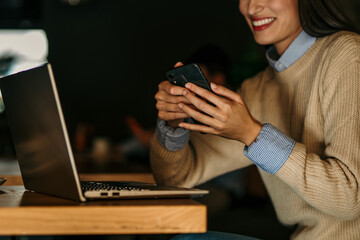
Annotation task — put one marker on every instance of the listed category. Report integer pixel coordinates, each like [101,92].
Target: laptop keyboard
[102,186]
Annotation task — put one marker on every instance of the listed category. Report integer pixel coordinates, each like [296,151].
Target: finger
[167,116]
[205,94]
[198,128]
[194,113]
[168,107]
[178,64]
[201,104]
[170,89]
[225,92]
[162,96]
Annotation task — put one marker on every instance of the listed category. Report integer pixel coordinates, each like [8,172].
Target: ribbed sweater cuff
[173,139]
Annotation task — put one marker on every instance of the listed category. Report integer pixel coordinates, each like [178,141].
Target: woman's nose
[255,7]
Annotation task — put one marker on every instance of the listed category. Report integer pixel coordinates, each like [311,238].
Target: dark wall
[109,56]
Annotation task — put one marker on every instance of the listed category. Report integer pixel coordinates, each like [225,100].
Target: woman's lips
[260,24]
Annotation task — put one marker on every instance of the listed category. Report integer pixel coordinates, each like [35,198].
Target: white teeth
[263,22]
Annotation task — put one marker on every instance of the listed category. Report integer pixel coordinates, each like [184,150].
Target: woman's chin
[263,40]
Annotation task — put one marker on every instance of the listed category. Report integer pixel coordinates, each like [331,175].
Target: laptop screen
[39,133]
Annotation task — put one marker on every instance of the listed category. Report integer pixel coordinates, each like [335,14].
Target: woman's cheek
[242,7]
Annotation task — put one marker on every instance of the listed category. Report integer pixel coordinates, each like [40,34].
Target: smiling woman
[297,121]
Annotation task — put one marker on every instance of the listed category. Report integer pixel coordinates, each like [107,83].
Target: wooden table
[28,213]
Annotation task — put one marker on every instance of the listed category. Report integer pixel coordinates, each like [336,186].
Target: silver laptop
[43,147]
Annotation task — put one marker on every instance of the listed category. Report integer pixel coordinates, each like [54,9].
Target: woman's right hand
[168,97]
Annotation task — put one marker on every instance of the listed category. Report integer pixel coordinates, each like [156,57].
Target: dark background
[109,56]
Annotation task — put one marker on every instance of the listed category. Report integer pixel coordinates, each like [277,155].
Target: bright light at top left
[26,48]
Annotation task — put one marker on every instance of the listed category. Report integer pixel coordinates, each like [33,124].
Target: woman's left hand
[228,117]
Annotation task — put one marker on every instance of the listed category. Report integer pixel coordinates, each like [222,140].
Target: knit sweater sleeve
[205,156]
[330,183]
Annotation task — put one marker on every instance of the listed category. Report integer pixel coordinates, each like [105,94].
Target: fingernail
[213,85]
[180,105]
[184,93]
[188,85]
[181,125]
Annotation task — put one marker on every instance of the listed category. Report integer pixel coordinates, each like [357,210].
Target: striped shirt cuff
[271,149]
[173,139]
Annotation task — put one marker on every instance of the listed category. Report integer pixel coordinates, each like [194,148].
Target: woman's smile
[273,22]
[260,24]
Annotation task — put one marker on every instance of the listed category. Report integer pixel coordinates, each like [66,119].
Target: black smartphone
[188,73]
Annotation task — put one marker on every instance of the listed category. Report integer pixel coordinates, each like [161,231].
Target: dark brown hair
[323,17]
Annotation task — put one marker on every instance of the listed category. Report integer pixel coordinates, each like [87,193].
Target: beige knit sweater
[316,101]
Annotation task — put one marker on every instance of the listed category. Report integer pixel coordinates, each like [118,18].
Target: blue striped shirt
[271,148]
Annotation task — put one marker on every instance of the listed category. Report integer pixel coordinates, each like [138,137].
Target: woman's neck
[284,44]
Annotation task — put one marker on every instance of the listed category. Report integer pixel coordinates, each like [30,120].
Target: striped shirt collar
[297,48]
